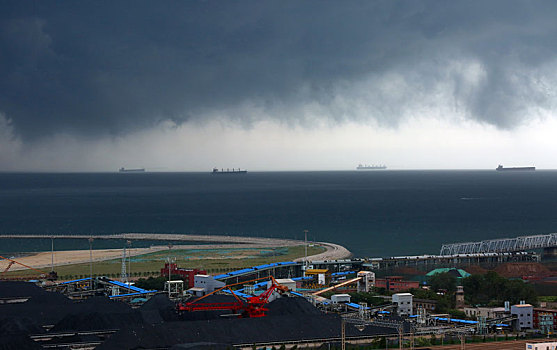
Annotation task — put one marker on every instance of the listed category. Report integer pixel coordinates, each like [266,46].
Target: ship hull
[216,171]
[526,168]
[122,170]
[229,172]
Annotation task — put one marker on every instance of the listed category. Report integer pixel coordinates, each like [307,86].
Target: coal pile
[19,320]
[201,346]
[97,321]
[43,307]
[156,324]
[12,325]
[19,289]
[17,342]
[101,304]
[159,309]
[291,306]
[97,313]
[287,319]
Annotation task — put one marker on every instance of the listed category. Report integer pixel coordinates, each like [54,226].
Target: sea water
[372,213]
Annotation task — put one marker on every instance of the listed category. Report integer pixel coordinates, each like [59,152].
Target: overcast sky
[277,85]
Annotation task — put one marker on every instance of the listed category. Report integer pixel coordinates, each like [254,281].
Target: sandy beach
[42,260]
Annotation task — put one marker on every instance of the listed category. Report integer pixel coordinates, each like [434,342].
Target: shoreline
[69,257]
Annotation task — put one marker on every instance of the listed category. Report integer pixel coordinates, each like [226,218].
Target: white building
[404,303]
[541,346]
[525,315]
[203,284]
[340,298]
[286,282]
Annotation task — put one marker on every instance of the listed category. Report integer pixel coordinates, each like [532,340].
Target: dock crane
[251,307]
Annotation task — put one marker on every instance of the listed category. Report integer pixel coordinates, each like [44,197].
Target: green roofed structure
[458,273]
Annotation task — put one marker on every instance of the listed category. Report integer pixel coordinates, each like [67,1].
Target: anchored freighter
[228,171]
[518,168]
[137,170]
[370,167]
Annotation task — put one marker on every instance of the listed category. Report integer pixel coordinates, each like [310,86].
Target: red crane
[49,275]
[252,307]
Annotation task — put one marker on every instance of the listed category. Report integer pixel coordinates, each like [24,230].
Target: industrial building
[340,298]
[403,302]
[487,312]
[395,284]
[187,275]
[204,284]
[426,304]
[541,315]
[542,346]
[524,314]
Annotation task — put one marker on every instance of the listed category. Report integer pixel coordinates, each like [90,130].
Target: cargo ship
[228,171]
[137,170]
[518,168]
[370,167]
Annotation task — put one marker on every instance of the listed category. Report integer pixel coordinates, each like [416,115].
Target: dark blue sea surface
[372,213]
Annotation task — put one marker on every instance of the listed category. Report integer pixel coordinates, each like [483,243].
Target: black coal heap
[156,323]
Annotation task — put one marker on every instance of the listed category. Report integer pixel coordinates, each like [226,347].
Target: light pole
[306,247]
[169,248]
[129,258]
[52,253]
[91,262]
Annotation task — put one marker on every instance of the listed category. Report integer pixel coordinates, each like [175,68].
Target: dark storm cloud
[92,67]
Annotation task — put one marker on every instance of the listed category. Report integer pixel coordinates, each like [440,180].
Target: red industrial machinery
[251,307]
[52,275]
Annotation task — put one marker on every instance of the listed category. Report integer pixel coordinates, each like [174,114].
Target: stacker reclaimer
[250,307]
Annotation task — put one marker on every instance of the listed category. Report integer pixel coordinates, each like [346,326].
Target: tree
[494,289]
[369,298]
[155,282]
[443,280]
